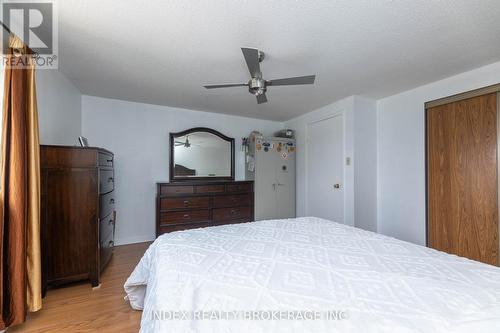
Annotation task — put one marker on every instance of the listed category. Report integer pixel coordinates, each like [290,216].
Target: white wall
[59,108]
[138,134]
[401,151]
[365,163]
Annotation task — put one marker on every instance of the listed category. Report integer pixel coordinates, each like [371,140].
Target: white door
[285,184]
[265,186]
[325,169]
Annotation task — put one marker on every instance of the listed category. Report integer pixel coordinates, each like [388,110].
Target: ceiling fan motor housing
[257,86]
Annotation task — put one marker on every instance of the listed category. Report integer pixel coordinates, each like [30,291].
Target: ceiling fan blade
[261,99]
[252,60]
[214,86]
[309,79]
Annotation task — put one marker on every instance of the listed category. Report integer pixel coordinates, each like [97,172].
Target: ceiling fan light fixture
[257,86]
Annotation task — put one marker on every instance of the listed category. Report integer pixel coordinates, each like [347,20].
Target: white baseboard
[133,240]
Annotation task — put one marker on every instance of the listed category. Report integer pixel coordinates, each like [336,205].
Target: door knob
[336,186]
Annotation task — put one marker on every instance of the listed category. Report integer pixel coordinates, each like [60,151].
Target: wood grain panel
[240,187]
[181,189]
[228,214]
[184,216]
[200,189]
[179,227]
[233,200]
[183,203]
[462,178]
[69,200]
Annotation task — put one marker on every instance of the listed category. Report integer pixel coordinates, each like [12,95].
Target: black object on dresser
[197,204]
[78,214]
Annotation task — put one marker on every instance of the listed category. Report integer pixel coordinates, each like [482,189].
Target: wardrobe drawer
[106,227]
[105,160]
[232,200]
[170,228]
[106,250]
[178,189]
[183,203]
[184,216]
[210,189]
[106,204]
[225,214]
[106,181]
[247,187]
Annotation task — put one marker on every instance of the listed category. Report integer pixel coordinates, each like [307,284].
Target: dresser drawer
[210,189]
[245,187]
[226,214]
[106,227]
[177,189]
[106,204]
[170,228]
[185,216]
[183,203]
[232,200]
[105,160]
[106,250]
[106,181]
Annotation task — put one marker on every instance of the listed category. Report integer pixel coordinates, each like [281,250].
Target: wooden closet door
[462,178]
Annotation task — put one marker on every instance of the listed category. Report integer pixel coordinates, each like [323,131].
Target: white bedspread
[311,266]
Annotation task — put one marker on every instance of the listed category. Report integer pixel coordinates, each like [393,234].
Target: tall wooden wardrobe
[462,174]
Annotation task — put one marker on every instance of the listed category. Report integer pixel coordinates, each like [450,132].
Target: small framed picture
[83,141]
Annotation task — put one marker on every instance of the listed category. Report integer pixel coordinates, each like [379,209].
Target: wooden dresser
[197,204]
[78,214]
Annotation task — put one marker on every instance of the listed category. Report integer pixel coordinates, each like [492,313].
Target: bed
[308,275]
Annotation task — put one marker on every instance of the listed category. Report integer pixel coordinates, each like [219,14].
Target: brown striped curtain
[20,265]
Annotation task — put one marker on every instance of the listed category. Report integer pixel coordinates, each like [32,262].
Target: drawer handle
[111,222]
[186,202]
[109,161]
[234,211]
[186,216]
[110,179]
[111,244]
[233,199]
[111,201]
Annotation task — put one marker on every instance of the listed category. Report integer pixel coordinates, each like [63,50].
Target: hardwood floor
[79,308]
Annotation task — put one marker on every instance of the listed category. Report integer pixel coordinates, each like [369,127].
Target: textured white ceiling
[162,52]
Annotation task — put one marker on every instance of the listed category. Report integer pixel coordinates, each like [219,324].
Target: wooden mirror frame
[173,136]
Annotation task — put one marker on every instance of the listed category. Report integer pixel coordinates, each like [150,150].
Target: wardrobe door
[462,184]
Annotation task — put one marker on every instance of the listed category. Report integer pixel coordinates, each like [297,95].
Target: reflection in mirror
[202,154]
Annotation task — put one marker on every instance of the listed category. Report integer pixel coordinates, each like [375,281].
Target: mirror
[201,153]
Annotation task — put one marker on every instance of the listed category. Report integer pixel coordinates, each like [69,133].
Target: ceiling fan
[257,85]
[186,143]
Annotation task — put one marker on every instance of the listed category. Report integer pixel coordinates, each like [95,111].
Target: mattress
[308,275]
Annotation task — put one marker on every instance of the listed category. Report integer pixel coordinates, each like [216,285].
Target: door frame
[451,99]
[340,113]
